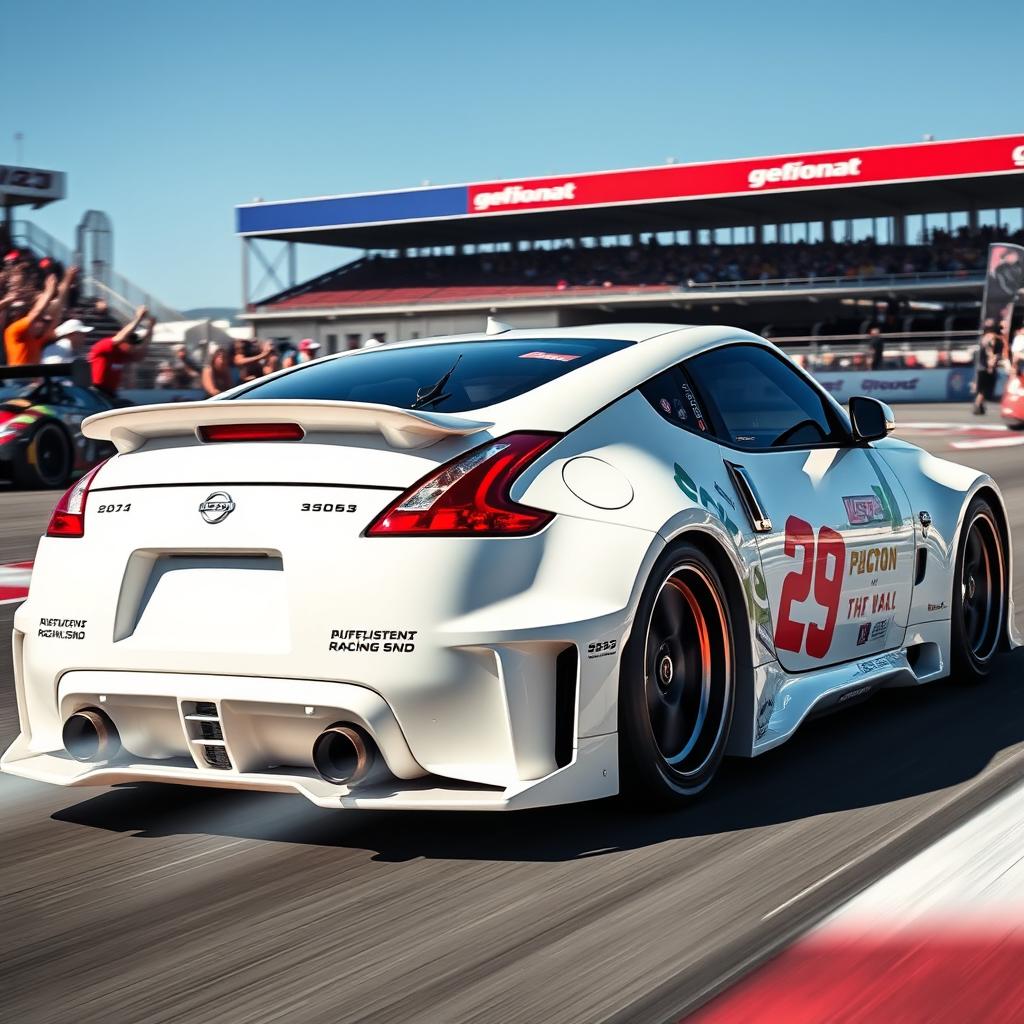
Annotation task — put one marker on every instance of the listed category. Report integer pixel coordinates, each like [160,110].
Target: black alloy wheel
[979,594]
[678,681]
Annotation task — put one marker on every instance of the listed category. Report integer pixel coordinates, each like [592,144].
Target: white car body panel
[461,694]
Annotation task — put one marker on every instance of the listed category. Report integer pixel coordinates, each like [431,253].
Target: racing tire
[677,682]
[45,463]
[978,614]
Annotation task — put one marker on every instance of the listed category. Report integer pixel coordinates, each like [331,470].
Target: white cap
[71,327]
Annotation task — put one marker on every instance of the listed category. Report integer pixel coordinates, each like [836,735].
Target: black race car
[41,413]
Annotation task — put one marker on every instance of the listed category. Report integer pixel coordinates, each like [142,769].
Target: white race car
[496,572]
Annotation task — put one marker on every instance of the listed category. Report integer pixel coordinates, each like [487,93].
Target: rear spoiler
[77,371]
[129,429]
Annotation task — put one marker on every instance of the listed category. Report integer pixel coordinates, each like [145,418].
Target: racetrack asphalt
[161,903]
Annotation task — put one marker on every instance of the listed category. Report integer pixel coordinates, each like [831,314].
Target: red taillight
[68,518]
[251,432]
[470,495]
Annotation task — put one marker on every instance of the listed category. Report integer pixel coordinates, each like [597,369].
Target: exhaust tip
[90,735]
[343,754]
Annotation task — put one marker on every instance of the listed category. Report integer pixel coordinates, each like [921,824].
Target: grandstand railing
[841,279]
[123,294]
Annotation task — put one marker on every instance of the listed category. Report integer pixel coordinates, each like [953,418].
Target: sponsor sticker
[863,631]
[602,648]
[870,604]
[666,406]
[62,629]
[557,357]
[373,641]
[698,415]
[864,508]
[872,560]
[883,661]
[880,629]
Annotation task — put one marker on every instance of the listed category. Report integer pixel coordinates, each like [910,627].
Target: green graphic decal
[697,492]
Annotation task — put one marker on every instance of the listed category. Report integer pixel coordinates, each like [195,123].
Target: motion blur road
[149,903]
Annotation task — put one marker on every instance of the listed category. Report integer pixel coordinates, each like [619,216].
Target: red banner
[920,161]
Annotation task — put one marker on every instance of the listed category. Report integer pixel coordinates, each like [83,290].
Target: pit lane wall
[893,386]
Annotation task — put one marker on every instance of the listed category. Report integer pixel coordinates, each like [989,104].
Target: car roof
[562,403]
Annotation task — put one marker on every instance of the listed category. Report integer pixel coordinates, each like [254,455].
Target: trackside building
[441,259]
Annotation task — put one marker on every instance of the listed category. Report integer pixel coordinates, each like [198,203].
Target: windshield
[482,373]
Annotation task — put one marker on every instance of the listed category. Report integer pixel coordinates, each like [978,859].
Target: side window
[672,397]
[759,401]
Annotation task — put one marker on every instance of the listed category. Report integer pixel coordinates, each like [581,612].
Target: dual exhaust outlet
[343,754]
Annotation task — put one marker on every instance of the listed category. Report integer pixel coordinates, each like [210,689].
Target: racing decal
[937,607]
[373,641]
[697,414]
[861,691]
[873,560]
[883,601]
[883,661]
[862,509]
[698,493]
[326,506]
[822,560]
[602,648]
[725,497]
[873,631]
[62,629]
[558,357]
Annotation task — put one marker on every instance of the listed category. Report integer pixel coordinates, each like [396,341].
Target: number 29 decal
[824,559]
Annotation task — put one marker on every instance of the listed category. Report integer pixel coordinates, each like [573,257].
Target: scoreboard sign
[30,184]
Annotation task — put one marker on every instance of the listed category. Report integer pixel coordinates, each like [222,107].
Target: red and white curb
[941,939]
[14,579]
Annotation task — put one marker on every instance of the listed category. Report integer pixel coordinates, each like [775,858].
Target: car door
[834,527]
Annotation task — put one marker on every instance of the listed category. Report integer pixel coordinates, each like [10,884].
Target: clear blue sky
[166,115]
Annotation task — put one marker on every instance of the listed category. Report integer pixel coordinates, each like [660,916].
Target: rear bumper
[528,756]
[592,775]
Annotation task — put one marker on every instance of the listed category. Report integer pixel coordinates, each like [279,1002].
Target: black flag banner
[1003,282]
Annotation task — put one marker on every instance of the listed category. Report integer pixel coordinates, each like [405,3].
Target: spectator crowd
[41,321]
[653,263]
[40,317]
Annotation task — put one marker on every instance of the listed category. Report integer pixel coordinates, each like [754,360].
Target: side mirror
[871,419]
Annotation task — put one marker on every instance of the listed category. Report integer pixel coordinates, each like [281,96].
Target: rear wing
[77,371]
[129,429]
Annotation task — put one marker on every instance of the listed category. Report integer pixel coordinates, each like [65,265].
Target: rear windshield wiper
[432,394]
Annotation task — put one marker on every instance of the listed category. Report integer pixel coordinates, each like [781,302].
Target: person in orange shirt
[25,338]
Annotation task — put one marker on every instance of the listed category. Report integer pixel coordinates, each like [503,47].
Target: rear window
[482,373]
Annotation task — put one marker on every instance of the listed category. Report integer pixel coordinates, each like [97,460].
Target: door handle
[759,519]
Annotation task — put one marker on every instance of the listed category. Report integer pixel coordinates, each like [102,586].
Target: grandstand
[816,245]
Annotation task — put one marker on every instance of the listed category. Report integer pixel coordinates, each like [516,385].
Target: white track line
[989,442]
